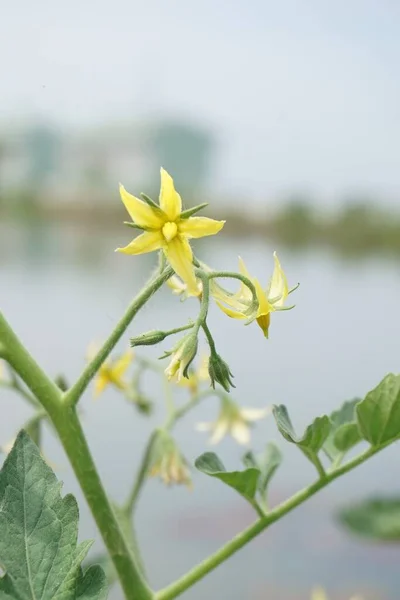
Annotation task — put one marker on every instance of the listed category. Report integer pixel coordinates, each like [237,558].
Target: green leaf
[266,462]
[377,519]
[313,438]
[103,561]
[379,413]
[38,533]
[345,414]
[244,482]
[92,585]
[347,436]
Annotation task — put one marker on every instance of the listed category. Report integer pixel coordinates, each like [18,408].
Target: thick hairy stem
[68,427]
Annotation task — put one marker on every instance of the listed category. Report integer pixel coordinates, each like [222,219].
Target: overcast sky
[302,94]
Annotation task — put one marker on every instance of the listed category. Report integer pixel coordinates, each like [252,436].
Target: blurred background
[285,117]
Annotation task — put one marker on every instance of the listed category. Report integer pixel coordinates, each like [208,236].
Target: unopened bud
[62,383]
[219,372]
[149,338]
[183,355]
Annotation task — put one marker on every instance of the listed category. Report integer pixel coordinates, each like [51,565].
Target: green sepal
[379,413]
[244,482]
[376,518]
[192,211]
[219,372]
[150,202]
[134,225]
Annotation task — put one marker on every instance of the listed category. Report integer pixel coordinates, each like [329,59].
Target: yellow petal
[255,414]
[243,269]
[197,227]
[100,384]
[264,322]
[278,287]
[240,432]
[244,291]
[146,242]
[170,200]
[233,300]
[179,255]
[234,314]
[140,212]
[220,430]
[176,285]
[264,307]
[121,365]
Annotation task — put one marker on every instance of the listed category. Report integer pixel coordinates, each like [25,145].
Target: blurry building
[86,166]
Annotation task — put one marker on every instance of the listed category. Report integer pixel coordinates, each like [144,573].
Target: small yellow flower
[272,299]
[112,372]
[233,420]
[168,463]
[165,228]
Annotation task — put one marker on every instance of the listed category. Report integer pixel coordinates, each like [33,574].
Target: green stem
[210,338]
[141,476]
[205,299]
[68,427]
[230,275]
[73,395]
[319,466]
[179,329]
[210,563]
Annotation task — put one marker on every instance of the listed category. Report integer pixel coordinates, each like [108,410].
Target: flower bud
[219,372]
[61,382]
[182,356]
[149,338]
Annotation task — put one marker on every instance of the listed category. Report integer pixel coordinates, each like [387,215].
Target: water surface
[62,288]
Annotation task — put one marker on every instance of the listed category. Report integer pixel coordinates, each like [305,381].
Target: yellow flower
[112,372]
[269,300]
[166,227]
[233,420]
[167,461]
